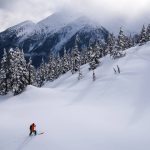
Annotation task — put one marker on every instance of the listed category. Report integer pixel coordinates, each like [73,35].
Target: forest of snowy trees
[16,72]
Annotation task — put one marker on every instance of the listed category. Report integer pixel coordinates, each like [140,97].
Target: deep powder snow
[111,113]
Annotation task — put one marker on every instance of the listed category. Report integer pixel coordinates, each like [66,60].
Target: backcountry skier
[32,129]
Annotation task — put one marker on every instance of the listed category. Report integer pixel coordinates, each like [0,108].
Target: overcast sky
[111,13]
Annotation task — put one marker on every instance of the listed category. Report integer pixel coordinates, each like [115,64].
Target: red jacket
[33,127]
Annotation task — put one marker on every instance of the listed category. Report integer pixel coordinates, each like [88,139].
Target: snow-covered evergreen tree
[148,33]
[41,74]
[94,61]
[65,62]
[136,39]
[98,50]
[116,53]
[75,58]
[121,41]
[49,67]
[90,50]
[43,70]
[59,67]
[53,69]
[110,43]
[4,74]
[143,36]
[83,55]
[31,73]
[39,81]
[19,76]
[130,41]
[119,46]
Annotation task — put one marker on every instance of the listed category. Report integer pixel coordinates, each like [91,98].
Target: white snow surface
[111,113]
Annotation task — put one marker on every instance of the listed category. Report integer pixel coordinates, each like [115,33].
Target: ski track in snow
[111,113]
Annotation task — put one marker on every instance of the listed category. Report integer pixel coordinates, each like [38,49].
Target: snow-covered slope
[111,113]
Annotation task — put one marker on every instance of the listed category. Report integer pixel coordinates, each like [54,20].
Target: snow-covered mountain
[20,31]
[111,113]
[57,21]
[52,34]
[65,36]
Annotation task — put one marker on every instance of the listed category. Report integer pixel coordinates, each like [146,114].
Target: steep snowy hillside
[111,113]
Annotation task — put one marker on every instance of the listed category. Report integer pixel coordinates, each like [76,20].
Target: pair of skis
[38,133]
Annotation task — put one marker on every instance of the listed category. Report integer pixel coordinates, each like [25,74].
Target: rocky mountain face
[52,35]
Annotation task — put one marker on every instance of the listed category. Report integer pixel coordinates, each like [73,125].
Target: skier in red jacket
[32,129]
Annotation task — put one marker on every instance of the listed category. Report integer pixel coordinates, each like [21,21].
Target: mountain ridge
[52,35]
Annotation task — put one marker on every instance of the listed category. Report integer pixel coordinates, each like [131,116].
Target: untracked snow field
[111,113]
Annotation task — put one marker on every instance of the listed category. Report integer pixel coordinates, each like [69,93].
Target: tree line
[16,73]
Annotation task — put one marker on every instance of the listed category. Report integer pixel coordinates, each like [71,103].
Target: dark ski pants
[33,132]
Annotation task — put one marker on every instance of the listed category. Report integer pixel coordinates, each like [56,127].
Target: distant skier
[32,129]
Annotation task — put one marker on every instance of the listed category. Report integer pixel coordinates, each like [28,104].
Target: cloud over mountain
[111,14]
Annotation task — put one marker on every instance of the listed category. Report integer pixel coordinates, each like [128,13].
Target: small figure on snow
[32,129]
